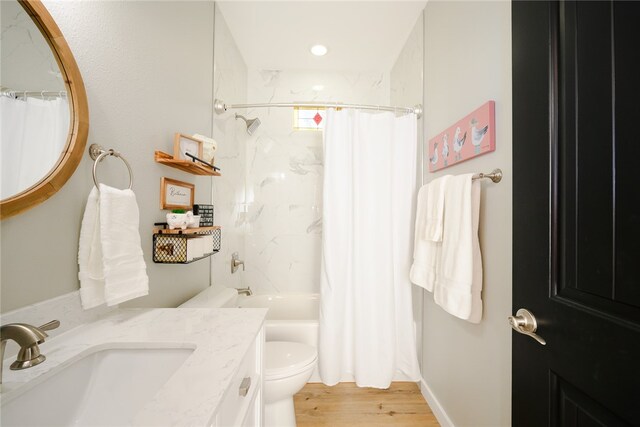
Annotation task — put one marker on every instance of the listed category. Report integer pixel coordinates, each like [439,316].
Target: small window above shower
[309,118]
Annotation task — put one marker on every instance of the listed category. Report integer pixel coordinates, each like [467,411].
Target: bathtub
[294,317]
[291,317]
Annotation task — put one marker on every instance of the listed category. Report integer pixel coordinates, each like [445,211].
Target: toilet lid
[283,359]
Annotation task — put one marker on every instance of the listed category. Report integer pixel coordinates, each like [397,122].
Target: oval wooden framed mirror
[72,153]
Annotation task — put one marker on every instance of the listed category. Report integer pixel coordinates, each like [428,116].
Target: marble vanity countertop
[220,338]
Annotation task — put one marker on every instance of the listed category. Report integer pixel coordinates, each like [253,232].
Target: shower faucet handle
[236,262]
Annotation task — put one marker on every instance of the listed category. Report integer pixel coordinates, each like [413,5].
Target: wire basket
[185,248]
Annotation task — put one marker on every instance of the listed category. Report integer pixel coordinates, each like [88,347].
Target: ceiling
[360,35]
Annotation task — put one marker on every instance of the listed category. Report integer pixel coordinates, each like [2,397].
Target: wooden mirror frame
[79,113]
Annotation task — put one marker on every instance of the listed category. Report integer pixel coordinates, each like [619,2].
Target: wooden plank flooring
[348,405]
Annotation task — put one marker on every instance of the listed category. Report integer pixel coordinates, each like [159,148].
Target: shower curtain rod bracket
[418,110]
[218,106]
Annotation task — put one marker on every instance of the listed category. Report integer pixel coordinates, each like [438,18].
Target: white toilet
[288,367]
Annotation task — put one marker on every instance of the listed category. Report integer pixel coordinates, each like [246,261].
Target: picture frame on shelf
[183,144]
[176,194]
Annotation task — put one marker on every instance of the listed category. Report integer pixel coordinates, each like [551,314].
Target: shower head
[252,124]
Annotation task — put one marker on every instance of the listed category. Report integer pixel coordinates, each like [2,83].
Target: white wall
[285,175]
[147,68]
[229,199]
[468,62]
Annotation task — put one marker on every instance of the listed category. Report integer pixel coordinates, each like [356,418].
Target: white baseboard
[435,405]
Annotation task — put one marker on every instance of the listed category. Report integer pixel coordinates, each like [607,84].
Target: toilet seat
[285,359]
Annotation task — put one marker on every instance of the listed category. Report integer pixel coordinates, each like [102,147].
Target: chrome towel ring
[98,154]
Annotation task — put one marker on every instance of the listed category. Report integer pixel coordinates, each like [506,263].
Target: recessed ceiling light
[319,50]
[317,88]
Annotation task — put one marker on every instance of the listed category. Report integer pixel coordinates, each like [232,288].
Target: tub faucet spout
[245,291]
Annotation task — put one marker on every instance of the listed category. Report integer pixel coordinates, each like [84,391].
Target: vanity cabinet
[242,404]
[172,367]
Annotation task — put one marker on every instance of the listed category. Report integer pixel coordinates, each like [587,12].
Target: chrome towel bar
[98,154]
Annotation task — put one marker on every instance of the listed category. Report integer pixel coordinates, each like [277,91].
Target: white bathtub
[291,317]
[284,306]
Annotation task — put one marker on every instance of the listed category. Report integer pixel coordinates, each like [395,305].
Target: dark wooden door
[576,212]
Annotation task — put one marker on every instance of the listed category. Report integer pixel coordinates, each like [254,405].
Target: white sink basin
[103,388]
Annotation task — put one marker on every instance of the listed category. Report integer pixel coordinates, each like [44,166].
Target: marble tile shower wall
[406,74]
[284,174]
[407,89]
[230,85]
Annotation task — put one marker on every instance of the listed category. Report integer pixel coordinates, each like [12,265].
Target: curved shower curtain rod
[220,107]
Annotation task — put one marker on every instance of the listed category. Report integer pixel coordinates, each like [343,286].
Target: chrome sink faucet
[28,337]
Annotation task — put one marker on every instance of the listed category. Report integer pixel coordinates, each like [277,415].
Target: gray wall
[148,71]
[467,367]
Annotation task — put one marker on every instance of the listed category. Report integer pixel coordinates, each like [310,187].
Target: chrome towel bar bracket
[495,175]
[97,153]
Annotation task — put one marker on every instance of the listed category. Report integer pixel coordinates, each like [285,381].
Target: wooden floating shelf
[184,165]
[185,231]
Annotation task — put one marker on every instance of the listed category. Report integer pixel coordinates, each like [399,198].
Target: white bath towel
[111,265]
[433,227]
[427,244]
[459,282]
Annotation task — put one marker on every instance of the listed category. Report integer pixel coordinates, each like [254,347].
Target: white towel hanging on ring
[111,264]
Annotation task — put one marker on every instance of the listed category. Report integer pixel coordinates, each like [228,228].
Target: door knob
[525,323]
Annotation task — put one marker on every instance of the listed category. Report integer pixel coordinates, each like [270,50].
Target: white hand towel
[426,253]
[125,271]
[112,268]
[459,283]
[91,273]
[435,209]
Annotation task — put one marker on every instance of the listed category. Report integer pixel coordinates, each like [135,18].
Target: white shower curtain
[33,135]
[366,323]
